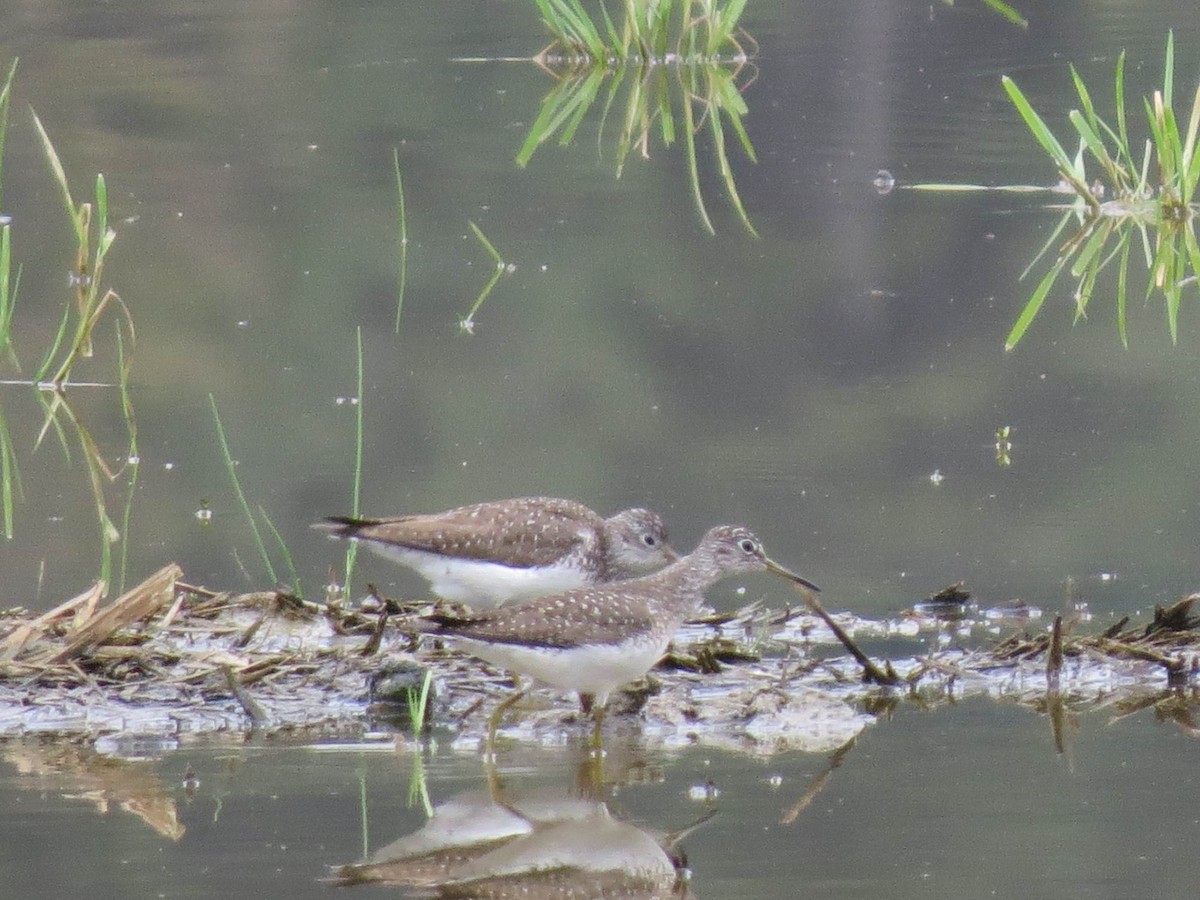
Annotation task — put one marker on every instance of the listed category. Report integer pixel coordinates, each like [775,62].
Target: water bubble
[884,181]
[937,477]
[204,514]
[169,466]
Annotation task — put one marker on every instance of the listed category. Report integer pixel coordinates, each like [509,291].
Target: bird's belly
[595,669]
[483,584]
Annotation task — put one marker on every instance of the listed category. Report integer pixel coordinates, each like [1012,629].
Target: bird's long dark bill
[791,576]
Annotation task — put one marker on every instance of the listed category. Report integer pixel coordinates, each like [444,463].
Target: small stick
[258,717]
[871,672]
[1054,658]
[376,639]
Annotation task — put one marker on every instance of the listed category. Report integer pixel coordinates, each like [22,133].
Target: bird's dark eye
[747,546]
[650,540]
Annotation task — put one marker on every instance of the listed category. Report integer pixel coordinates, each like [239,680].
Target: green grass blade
[1123,288]
[5,97]
[1007,12]
[10,477]
[1122,136]
[124,365]
[1085,98]
[1095,243]
[1050,241]
[1169,70]
[6,299]
[356,492]
[487,244]
[726,170]
[1047,140]
[237,488]
[107,235]
[1094,144]
[1191,159]
[1034,305]
[1193,248]
[402,249]
[60,178]
[614,38]
[1036,125]
[48,361]
[1170,151]
[689,133]
[283,549]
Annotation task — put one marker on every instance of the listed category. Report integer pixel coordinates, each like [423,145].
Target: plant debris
[169,658]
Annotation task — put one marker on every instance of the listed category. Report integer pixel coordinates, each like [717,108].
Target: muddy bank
[168,660]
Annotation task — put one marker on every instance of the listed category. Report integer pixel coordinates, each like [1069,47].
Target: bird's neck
[683,583]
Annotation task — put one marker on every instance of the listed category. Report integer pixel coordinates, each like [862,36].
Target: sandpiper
[593,640]
[504,551]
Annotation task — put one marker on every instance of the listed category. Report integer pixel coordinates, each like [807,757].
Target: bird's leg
[497,715]
[589,704]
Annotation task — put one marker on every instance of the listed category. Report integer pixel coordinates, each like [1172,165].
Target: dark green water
[808,383]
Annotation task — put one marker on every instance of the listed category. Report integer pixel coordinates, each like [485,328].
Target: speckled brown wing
[571,620]
[524,532]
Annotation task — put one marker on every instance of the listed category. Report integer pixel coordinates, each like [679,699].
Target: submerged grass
[1152,198]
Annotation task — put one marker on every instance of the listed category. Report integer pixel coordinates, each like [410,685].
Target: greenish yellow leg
[496,716]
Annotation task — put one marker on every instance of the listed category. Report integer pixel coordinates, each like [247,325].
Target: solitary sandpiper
[593,640]
[490,554]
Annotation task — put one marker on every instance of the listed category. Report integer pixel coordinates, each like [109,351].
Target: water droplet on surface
[884,181]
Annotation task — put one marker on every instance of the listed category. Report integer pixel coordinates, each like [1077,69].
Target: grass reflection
[706,96]
[82,314]
[1135,204]
[668,66]
[1152,203]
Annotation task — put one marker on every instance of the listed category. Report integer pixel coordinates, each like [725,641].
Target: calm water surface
[810,382]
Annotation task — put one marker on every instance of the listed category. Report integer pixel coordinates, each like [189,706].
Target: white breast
[484,584]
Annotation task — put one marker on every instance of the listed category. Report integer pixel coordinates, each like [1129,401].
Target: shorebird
[593,640]
[491,554]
